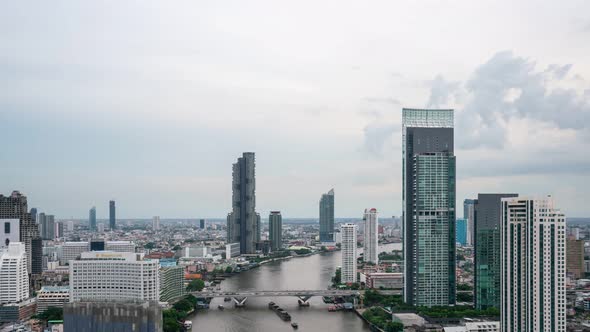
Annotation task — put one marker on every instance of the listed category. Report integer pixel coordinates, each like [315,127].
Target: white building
[119,246]
[481,326]
[371,236]
[70,225]
[9,231]
[52,296]
[232,250]
[109,275]
[14,278]
[156,223]
[72,250]
[532,285]
[348,246]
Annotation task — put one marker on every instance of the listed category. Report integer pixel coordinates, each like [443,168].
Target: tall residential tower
[92,218]
[487,208]
[428,206]
[371,236]
[243,223]
[348,270]
[532,266]
[112,215]
[327,217]
[275,230]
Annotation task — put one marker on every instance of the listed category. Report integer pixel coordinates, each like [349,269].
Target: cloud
[559,72]
[441,91]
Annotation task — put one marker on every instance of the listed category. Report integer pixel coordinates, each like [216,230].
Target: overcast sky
[150,103]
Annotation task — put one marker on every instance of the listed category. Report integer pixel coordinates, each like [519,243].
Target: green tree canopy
[196,285]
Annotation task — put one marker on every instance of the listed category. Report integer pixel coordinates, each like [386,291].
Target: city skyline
[178,103]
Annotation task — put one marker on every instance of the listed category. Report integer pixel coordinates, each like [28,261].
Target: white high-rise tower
[14,278]
[371,236]
[532,263]
[348,271]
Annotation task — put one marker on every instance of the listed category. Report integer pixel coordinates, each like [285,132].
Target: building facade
[243,223]
[171,283]
[9,231]
[349,253]
[428,207]
[275,230]
[109,275]
[15,207]
[131,316]
[487,214]
[120,246]
[371,238]
[72,251]
[14,277]
[52,296]
[156,223]
[112,215]
[461,231]
[393,281]
[327,217]
[469,215]
[575,257]
[92,219]
[532,266]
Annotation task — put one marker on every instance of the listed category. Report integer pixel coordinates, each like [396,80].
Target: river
[312,272]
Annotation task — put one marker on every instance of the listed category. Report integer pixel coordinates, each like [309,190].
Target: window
[6,228]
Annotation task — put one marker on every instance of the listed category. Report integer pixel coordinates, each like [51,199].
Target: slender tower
[349,253]
[327,217]
[112,215]
[371,236]
[428,206]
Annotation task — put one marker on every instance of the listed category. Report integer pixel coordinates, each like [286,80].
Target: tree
[171,318]
[183,305]
[149,245]
[51,313]
[228,269]
[196,285]
[337,278]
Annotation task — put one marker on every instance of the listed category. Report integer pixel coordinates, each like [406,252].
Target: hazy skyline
[150,103]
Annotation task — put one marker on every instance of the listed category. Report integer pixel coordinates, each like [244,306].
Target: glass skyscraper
[327,217]
[428,206]
[487,249]
[275,230]
[461,231]
[112,215]
[92,218]
[243,223]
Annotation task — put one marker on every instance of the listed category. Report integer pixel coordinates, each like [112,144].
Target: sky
[150,102]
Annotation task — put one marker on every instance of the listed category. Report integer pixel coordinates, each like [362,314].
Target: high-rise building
[112,216]
[243,222]
[37,255]
[371,240]
[72,250]
[275,230]
[47,223]
[428,193]
[34,214]
[469,214]
[15,207]
[327,217]
[532,266]
[59,229]
[171,283]
[575,257]
[202,224]
[487,215]
[123,276]
[156,223]
[348,246]
[131,316]
[92,219]
[70,226]
[14,277]
[461,231]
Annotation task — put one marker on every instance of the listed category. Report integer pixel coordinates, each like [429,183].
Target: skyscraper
[92,218]
[532,266]
[112,215]
[371,239]
[487,208]
[243,222]
[15,207]
[327,217]
[275,230]
[575,257]
[428,207]
[461,231]
[348,246]
[156,223]
[469,214]
[202,224]
[47,223]
[14,278]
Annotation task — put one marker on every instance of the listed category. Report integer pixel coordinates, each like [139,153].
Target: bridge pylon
[239,301]
[304,300]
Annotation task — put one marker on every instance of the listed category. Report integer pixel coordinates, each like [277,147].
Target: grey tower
[112,215]
[243,222]
[15,207]
[275,230]
[428,207]
[487,215]
[92,218]
[327,217]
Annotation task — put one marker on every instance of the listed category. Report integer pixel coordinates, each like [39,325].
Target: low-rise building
[52,296]
[385,280]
